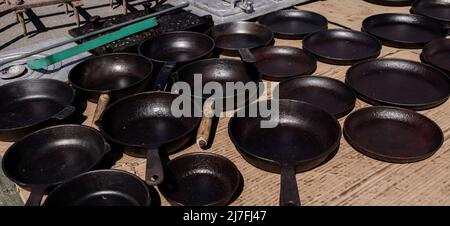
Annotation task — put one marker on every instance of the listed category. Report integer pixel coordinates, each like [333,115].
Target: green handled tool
[92,44]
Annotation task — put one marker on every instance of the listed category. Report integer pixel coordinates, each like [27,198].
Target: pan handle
[289,191]
[103,101]
[204,131]
[163,76]
[37,192]
[154,174]
[247,56]
[64,113]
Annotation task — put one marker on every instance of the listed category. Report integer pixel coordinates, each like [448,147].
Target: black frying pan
[304,138]
[240,35]
[101,188]
[391,2]
[277,63]
[294,24]
[437,53]
[436,9]
[404,30]
[50,156]
[341,46]
[329,94]
[392,134]
[200,179]
[112,75]
[397,82]
[30,105]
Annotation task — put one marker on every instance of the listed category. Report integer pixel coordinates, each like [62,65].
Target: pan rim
[43,80]
[377,101]
[210,50]
[323,26]
[425,54]
[118,141]
[341,60]
[390,2]
[71,74]
[385,158]
[415,10]
[15,144]
[244,151]
[210,33]
[337,81]
[148,202]
[235,169]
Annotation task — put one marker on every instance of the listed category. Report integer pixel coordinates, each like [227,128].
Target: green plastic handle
[92,44]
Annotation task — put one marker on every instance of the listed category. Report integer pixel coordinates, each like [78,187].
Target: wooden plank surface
[350,178]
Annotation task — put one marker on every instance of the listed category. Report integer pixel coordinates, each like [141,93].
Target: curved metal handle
[37,192]
[163,76]
[154,174]
[103,101]
[289,191]
[247,56]
[204,131]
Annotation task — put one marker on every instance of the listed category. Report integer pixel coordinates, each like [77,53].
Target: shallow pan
[437,53]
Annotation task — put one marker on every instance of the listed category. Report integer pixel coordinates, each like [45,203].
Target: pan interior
[438,53]
[342,44]
[100,188]
[53,155]
[329,94]
[200,179]
[294,22]
[111,72]
[145,120]
[283,61]
[28,102]
[177,47]
[241,35]
[304,134]
[437,9]
[398,82]
[392,134]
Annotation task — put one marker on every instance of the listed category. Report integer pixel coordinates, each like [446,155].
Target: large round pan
[391,2]
[294,24]
[404,30]
[101,188]
[240,35]
[30,105]
[392,134]
[304,138]
[400,83]
[329,94]
[51,156]
[277,63]
[111,76]
[200,179]
[437,53]
[341,46]
[436,9]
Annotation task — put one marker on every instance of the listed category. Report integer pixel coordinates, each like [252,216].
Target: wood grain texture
[350,178]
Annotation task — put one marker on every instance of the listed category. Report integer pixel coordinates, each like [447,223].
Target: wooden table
[350,178]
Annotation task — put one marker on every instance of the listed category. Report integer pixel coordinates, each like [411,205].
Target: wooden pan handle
[204,130]
[103,101]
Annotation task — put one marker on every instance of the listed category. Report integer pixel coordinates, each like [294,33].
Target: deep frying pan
[276,63]
[30,105]
[200,179]
[436,9]
[391,2]
[305,136]
[240,35]
[398,82]
[392,134]
[50,156]
[111,76]
[437,53]
[342,46]
[101,188]
[329,94]
[404,30]
[294,24]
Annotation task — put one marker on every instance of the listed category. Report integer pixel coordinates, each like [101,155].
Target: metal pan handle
[204,131]
[289,191]
[37,192]
[103,101]
[163,76]
[154,174]
[247,56]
